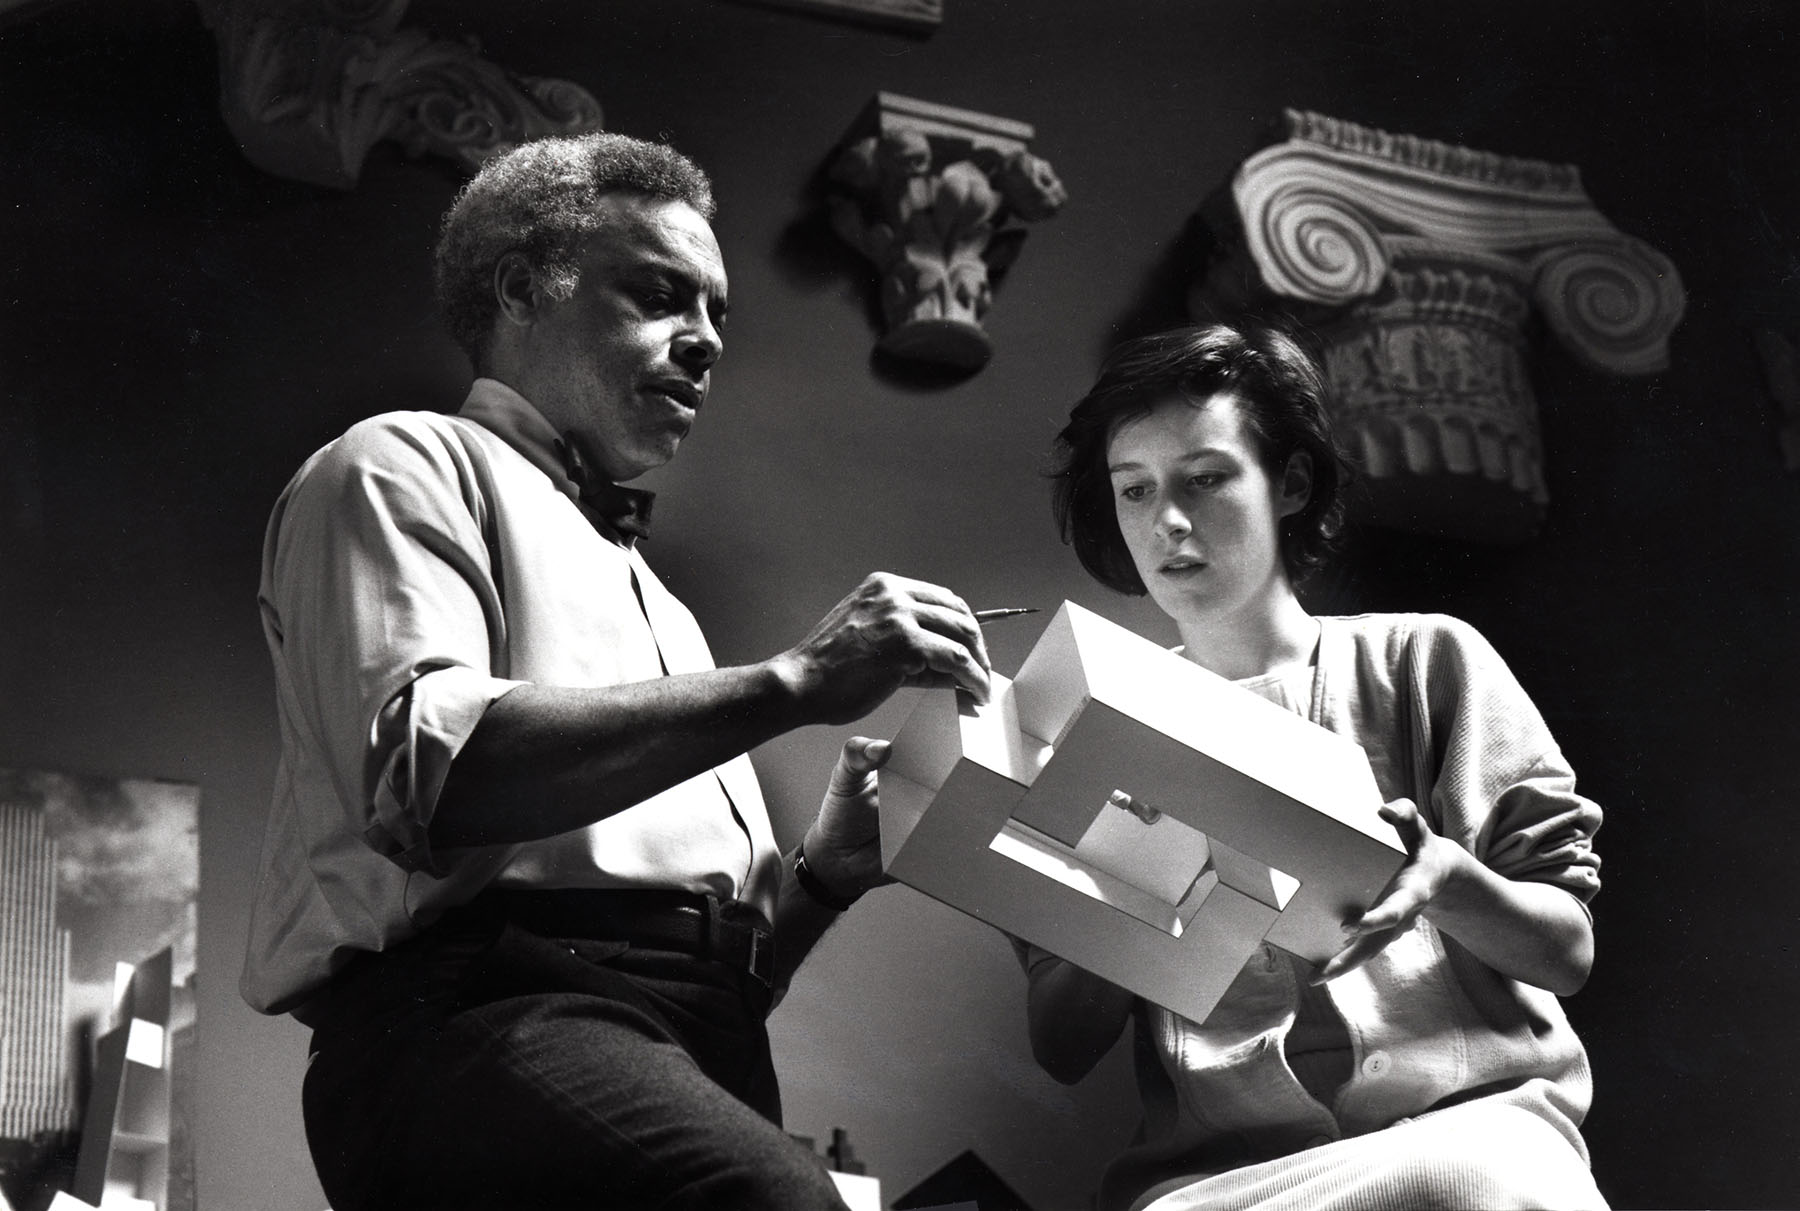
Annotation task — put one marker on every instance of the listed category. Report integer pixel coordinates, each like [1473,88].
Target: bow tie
[625,510]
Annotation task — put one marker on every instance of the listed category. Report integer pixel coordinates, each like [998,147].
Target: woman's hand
[1534,932]
[1431,861]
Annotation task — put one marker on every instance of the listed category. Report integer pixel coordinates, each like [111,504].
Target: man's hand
[889,632]
[843,852]
[1431,861]
[843,846]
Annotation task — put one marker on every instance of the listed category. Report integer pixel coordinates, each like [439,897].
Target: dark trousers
[484,1066]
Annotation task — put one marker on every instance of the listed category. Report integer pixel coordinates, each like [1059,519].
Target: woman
[1429,1063]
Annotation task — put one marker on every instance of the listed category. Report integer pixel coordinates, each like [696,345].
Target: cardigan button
[1376,1063]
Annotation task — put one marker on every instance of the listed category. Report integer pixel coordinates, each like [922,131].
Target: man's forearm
[546,760]
[800,921]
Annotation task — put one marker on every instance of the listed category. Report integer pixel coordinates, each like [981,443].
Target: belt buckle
[762,958]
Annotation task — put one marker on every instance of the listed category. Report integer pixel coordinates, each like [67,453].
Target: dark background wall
[178,330]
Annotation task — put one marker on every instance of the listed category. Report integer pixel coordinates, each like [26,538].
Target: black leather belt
[703,926]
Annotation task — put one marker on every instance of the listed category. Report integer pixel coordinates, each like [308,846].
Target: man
[519,878]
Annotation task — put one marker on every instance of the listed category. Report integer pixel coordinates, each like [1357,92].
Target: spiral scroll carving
[1311,245]
[1422,264]
[1613,305]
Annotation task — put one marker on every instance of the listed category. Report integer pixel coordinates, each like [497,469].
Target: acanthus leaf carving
[309,87]
[930,196]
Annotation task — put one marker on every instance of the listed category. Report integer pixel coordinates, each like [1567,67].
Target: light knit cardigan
[1445,724]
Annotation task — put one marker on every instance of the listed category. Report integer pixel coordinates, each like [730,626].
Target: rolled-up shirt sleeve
[1543,831]
[416,736]
[1503,788]
[379,584]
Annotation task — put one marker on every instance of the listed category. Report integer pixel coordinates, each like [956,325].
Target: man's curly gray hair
[541,199]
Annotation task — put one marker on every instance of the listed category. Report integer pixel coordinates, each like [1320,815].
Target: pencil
[986,616]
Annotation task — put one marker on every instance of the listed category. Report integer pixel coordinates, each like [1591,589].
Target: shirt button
[1376,1063]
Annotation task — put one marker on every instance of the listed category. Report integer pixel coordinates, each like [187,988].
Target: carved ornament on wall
[1422,265]
[1781,375]
[916,16]
[930,195]
[308,87]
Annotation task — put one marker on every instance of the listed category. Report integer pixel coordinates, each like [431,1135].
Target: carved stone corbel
[1781,375]
[1421,265]
[307,87]
[918,16]
[926,192]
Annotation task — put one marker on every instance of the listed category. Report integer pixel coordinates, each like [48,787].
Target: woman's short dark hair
[1282,396]
[542,199]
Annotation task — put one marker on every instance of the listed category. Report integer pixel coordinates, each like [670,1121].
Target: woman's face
[1200,513]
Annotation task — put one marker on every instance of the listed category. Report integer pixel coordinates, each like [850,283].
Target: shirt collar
[512,418]
[622,514]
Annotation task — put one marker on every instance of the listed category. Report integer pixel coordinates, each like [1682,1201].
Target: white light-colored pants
[1484,1155]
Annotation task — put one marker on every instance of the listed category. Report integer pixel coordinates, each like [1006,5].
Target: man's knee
[769,1174]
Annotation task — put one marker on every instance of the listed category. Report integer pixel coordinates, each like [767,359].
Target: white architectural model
[1135,814]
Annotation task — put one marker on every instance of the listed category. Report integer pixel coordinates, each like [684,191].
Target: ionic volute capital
[1323,211]
[1420,266]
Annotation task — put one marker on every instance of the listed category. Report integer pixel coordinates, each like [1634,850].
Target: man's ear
[518,296]
[1296,483]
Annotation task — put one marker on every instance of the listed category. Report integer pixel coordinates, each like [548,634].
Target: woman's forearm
[1534,932]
